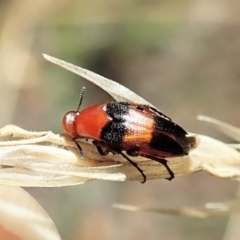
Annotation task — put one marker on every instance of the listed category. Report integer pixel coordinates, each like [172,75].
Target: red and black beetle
[137,129]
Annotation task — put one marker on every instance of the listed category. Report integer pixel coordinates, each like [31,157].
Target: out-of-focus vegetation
[183,56]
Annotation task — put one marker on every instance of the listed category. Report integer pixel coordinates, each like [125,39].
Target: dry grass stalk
[216,209]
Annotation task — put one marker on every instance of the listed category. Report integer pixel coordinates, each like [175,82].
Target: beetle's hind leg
[164,163]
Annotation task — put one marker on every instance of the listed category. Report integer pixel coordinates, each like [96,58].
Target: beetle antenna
[80,98]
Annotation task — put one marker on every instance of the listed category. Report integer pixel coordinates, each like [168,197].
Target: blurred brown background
[183,56]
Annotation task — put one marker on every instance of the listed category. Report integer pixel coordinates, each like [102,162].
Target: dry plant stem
[43,158]
[56,162]
[215,209]
[32,137]
[228,129]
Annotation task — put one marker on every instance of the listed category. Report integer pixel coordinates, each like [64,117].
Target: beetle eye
[68,124]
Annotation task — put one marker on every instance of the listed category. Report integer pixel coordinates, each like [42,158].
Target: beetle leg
[115,151]
[79,147]
[132,153]
[135,165]
[164,163]
[100,150]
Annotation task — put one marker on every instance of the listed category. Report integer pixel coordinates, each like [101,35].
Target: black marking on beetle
[164,143]
[117,110]
[164,125]
[114,132]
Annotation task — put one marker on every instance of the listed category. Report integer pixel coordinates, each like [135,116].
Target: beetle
[137,129]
